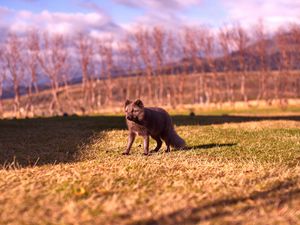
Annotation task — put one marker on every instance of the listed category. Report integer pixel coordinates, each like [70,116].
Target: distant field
[242,167]
[72,98]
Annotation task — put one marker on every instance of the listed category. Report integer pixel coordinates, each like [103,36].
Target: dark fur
[154,122]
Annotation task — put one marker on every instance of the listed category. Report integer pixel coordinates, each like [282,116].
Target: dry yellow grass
[239,173]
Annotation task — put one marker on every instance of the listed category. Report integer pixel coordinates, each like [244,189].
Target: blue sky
[104,16]
[120,13]
[117,11]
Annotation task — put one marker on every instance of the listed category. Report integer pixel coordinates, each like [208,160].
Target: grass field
[239,169]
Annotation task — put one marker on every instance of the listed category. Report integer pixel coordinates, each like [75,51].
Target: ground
[239,169]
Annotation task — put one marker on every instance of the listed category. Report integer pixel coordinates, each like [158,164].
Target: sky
[102,17]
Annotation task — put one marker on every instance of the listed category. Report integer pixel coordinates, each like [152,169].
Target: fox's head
[134,110]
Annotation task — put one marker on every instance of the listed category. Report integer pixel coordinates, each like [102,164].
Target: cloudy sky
[98,17]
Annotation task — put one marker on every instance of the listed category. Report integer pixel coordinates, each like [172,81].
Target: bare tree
[295,32]
[130,59]
[172,56]
[186,62]
[241,41]
[143,44]
[2,78]
[191,52]
[159,54]
[284,61]
[15,65]
[261,50]
[84,47]
[53,60]
[285,46]
[225,42]
[211,82]
[107,64]
[31,60]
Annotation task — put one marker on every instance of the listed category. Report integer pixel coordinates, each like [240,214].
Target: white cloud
[165,5]
[57,22]
[273,12]
[171,14]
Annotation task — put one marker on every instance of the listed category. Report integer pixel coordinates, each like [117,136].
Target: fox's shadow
[208,146]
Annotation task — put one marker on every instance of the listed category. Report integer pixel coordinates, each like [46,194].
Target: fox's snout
[129,117]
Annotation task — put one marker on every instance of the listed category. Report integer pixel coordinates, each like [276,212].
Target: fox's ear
[139,103]
[127,102]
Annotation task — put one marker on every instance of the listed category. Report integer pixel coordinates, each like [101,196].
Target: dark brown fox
[154,122]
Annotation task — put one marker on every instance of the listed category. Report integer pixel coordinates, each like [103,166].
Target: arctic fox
[154,122]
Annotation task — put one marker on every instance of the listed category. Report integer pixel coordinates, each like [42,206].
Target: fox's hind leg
[158,144]
[167,141]
[168,147]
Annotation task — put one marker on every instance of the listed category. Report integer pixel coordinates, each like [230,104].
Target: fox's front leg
[146,144]
[131,138]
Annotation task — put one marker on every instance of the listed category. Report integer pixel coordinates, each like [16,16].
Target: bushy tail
[176,141]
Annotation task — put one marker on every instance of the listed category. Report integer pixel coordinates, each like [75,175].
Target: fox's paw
[125,153]
[154,151]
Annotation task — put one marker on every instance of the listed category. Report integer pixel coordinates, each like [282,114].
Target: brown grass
[239,173]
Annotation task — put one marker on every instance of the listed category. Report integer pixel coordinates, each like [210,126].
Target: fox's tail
[176,141]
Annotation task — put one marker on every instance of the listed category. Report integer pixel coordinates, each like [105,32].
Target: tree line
[189,65]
